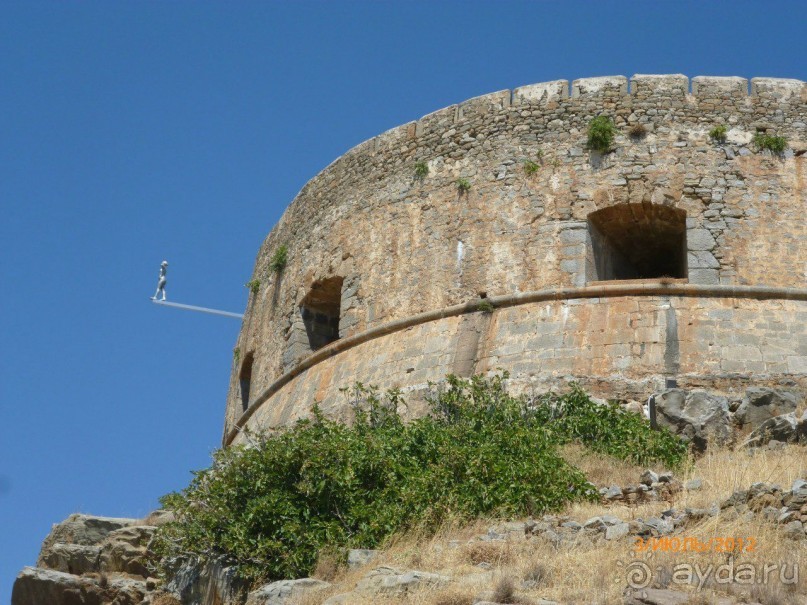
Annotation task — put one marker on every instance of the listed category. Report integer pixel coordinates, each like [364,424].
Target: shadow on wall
[320,312]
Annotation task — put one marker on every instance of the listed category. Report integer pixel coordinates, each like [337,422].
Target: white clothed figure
[161,281]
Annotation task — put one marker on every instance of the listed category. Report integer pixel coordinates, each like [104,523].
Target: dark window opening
[320,310]
[637,241]
[244,380]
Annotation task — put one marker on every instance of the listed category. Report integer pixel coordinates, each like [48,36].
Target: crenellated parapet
[787,95]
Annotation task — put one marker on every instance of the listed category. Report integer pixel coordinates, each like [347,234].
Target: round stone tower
[487,236]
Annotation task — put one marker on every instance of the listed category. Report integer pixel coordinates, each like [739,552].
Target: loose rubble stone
[761,404]
[390,581]
[618,531]
[278,593]
[784,428]
[693,484]
[648,478]
[697,415]
[653,596]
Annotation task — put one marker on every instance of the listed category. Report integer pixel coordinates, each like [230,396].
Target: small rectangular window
[637,241]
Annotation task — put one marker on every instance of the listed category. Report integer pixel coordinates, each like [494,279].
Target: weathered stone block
[648,84]
[541,93]
[714,87]
[593,87]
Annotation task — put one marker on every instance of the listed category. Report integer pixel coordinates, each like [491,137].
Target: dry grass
[165,599]
[637,131]
[575,573]
[725,471]
[330,567]
[495,553]
[600,469]
[452,596]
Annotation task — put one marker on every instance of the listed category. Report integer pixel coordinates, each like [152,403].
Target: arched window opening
[636,241]
[245,379]
[320,311]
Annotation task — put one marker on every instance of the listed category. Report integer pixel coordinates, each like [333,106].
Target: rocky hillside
[741,506]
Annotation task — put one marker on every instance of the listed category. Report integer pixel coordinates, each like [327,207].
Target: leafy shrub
[272,507]
[254,285]
[718,133]
[236,355]
[421,170]
[772,143]
[601,133]
[607,429]
[279,259]
[463,185]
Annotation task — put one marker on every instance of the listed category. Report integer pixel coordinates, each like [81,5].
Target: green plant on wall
[485,306]
[601,133]
[718,133]
[463,185]
[236,355]
[279,259]
[531,167]
[421,170]
[772,143]
[254,285]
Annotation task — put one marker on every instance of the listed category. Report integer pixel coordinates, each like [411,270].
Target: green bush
[421,170]
[270,508]
[463,185]
[609,430]
[254,285]
[772,143]
[718,133]
[601,133]
[279,259]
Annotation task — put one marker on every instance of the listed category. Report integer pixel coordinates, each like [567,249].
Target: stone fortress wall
[669,257]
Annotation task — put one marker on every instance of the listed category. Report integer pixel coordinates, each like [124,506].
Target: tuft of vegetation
[271,508]
[637,131]
[505,591]
[718,133]
[531,167]
[485,306]
[254,285]
[421,170]
[772,143]
[236,355]
[279,259]
[601,134]
[463,185]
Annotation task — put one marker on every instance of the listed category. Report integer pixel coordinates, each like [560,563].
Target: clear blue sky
[131,132]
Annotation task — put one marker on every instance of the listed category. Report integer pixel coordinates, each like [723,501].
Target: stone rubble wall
[406,245]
